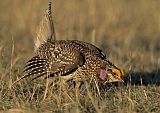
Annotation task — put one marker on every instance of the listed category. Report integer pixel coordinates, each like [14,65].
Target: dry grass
[128,31]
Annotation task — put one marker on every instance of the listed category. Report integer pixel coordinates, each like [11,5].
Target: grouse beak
[115,75]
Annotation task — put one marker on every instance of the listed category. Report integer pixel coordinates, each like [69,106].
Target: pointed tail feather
[52,34]
[46,31]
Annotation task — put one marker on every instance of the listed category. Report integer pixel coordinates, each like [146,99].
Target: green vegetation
[128,31]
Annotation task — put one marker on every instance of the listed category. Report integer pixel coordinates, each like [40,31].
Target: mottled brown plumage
[69,59]
[63,57]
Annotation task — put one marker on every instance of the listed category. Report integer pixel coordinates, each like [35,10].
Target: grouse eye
[114,73]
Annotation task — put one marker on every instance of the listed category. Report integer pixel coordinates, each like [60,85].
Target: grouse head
[111,73]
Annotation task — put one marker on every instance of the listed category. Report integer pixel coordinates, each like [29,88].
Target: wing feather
[65,62]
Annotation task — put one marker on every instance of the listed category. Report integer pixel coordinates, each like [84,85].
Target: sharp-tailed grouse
[69,59]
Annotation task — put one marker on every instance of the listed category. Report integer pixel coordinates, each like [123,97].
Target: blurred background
[128,31]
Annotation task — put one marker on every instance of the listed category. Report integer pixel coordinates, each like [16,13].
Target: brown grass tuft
[127,31]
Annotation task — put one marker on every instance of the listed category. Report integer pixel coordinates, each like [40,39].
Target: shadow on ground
[136,79]
[143,78]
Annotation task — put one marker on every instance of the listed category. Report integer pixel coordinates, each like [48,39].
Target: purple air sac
[103,74]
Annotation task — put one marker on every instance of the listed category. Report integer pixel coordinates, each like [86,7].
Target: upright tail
[46,31]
